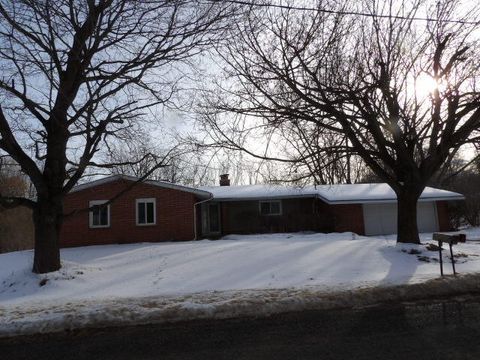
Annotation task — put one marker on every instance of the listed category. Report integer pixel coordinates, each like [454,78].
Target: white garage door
[381,219]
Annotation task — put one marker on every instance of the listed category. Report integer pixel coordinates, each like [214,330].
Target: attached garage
[367,209]
[381,218]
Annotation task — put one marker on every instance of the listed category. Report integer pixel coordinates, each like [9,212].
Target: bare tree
[302,152]
[12,182]
[467,182]
[141,156]
[318,154]
[399,85]
[463,176]
[76,74]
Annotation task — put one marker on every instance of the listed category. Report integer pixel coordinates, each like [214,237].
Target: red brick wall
[302,214]
[243,217]
[443,216]
[174,215]
[348,217]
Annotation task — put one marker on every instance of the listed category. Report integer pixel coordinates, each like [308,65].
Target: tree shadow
[402,264]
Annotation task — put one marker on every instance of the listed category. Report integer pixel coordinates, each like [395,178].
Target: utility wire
[339,12]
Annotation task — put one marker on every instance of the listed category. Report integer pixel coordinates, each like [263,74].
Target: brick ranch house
[154,211]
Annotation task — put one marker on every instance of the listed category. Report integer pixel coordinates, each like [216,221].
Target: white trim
[280,209]
[90,214]
[334,202]
[207,194]
[146,201]
[330,194]
[266,198]
[435,210]
[394,201]
[162,184]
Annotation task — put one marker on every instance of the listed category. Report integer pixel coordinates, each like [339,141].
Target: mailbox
[450,240]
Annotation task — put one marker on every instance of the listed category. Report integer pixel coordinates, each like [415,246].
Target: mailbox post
[450,240]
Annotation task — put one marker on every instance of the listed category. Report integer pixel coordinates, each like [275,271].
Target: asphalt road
[440,330]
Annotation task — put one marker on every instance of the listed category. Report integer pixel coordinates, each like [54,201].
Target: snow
[163,184]
[238,274]
[332,194]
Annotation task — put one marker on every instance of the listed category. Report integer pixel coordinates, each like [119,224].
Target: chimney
[224,180]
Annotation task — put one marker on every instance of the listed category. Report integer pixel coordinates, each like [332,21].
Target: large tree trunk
[47,219]
[407,228]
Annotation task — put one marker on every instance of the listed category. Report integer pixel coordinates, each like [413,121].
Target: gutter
[337,202]
[195,214]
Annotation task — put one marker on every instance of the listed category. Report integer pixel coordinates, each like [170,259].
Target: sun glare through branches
[425,85]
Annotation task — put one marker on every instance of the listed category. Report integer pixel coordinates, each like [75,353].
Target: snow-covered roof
[331,194]
[164,184]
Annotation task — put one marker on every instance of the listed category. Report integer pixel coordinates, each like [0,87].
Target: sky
[170,123]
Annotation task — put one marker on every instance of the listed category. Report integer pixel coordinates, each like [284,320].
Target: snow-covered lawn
[234,265]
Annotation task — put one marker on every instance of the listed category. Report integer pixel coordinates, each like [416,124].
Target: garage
[381,219]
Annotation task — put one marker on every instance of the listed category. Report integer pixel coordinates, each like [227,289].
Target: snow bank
[138,283]
[217,305]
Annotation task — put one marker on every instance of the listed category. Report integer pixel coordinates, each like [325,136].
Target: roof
[331,194]
[163,184]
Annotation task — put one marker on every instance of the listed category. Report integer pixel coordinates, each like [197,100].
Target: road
[448,329]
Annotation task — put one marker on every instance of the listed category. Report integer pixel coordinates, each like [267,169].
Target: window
[146,212]
[270,207]
[99,216]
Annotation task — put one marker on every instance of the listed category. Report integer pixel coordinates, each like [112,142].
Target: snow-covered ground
[97,281]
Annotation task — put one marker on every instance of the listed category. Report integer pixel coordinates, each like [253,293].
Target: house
[161,211]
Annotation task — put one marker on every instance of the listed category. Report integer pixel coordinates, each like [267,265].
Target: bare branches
[77,75]
[127,188]
[361,78]
[9,144]
[13,185]
[87,71]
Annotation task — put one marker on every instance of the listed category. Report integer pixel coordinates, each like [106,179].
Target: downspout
[195,214]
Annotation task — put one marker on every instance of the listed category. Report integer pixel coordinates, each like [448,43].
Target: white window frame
[90,214]
[270,201]
[146,200]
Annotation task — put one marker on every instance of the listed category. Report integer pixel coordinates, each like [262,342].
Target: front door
[211,219]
